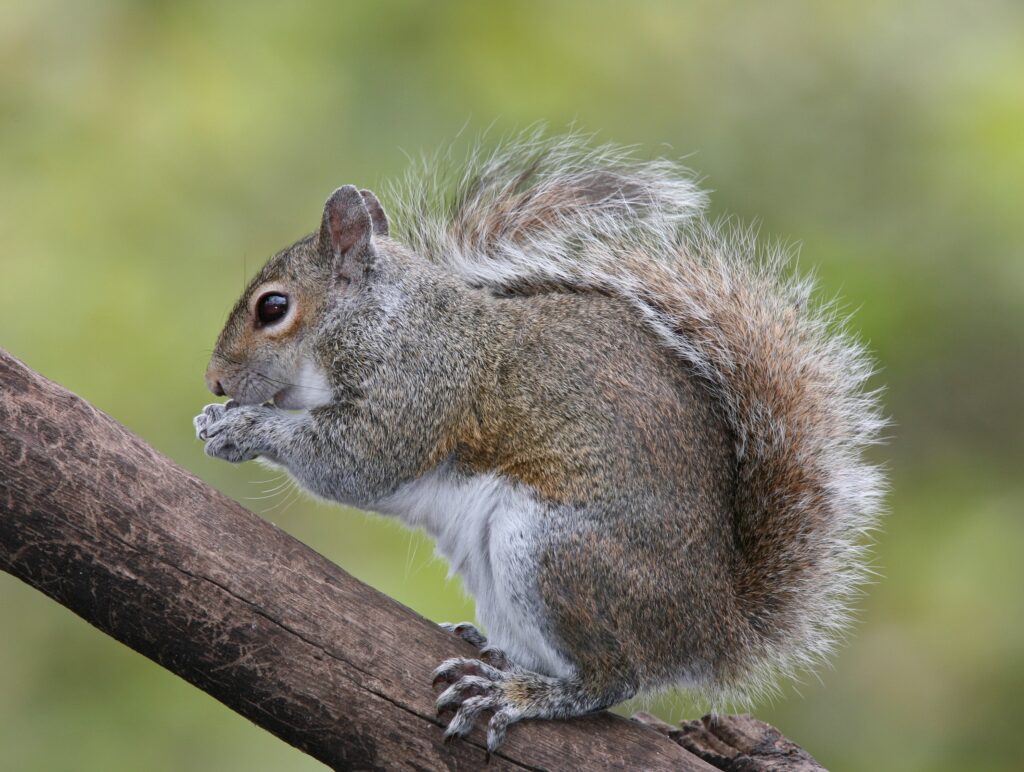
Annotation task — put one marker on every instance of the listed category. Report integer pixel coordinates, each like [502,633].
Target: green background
[153,154]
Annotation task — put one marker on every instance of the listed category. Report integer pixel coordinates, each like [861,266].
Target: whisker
[279,486]
[273,495]
[285,500]
[411,548]
[287,383]
[277,381]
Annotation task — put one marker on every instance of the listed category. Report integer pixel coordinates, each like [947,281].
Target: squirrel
[628,428]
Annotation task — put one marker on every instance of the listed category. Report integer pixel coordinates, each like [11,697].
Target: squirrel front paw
[233,432]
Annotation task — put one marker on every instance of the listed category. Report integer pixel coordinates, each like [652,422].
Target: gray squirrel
[630,432]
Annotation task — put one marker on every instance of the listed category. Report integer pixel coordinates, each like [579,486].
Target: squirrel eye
[271,307]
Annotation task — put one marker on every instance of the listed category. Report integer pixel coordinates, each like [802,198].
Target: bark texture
[736,744]
[93,517]
[137,546]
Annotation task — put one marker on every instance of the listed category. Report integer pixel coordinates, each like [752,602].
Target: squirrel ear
[377,215]
[347,227]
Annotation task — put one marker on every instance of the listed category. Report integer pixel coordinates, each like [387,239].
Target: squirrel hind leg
[511,696]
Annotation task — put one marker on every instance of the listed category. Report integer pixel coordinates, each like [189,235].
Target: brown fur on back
[539,216]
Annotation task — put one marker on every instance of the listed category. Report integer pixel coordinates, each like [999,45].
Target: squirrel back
[542,215]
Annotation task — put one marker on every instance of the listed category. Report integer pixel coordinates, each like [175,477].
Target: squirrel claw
[476,687]
[458,668]
[495,658]
[205,421]
[231,431]
[488,654]
[440,679]
[466,632]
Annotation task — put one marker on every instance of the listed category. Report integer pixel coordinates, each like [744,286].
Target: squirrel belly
[487,529]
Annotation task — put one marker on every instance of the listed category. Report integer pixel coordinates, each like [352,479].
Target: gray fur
[541,213]
[631,434]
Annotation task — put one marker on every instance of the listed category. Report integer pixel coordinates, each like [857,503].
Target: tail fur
[539,214]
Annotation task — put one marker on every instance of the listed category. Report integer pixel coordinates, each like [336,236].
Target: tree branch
[146,552]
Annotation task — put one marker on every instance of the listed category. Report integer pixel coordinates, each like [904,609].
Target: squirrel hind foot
[511,696]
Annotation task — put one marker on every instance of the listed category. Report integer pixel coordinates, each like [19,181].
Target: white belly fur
[487,529]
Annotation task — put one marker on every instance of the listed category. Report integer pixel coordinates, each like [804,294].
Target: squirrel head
[264,351]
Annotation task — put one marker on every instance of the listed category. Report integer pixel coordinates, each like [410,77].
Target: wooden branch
[736,744]
[143,550]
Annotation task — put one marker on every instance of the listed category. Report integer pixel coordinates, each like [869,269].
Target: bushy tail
[540,214]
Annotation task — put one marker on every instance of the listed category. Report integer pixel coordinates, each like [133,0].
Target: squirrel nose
[213,384]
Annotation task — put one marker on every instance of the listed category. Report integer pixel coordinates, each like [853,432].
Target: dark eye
[271,307]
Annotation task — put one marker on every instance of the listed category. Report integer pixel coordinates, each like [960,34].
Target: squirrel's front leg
[331,451]
[239,433]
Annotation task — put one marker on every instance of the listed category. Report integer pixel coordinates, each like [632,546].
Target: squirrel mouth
[288,398]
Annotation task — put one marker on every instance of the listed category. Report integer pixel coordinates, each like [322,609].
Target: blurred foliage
[153,154]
